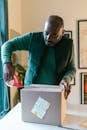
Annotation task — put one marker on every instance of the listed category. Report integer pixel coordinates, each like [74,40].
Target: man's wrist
[8,63]
[64,83]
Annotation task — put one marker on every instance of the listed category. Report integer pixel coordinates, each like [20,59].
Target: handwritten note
[40,108]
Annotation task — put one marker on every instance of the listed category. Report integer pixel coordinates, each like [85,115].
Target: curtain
[4,92]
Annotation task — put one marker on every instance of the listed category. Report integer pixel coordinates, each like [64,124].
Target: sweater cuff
[5,60]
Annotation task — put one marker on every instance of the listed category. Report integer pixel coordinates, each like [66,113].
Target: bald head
[53,30]
[55,20]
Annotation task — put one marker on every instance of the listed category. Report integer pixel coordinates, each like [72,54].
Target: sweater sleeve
[19,43]
[70,70]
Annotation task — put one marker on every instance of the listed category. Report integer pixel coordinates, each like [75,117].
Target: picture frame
[83,87]
[68,33]
[82,44]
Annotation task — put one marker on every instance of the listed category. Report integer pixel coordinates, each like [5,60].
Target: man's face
[52,34]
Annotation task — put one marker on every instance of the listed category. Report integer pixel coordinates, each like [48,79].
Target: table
[13,121]
[74,116]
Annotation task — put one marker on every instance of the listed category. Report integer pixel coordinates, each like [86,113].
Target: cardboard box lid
[44,88]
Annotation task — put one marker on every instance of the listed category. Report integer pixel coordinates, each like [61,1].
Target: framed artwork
[68,33]
[84,88]
[82,44]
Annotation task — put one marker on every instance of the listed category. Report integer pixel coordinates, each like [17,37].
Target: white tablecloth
[13,121]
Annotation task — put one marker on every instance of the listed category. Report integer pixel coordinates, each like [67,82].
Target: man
[51,55]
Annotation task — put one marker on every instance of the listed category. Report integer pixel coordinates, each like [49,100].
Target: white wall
[14,15]
[33,14]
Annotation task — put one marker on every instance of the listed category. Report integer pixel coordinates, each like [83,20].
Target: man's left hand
[66,87]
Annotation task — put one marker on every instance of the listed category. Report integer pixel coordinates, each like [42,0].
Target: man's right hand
[8,71]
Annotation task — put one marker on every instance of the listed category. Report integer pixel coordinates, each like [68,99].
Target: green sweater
[34,44]
[48,70]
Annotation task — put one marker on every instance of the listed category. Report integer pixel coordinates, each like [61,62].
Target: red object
[85,88]
[17,82]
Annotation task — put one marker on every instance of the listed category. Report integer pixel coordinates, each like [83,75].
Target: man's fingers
[8,76]
[67,92]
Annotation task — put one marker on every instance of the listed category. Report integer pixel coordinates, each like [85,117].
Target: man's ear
[63,31]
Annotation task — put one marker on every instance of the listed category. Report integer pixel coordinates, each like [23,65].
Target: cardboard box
[43,104]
